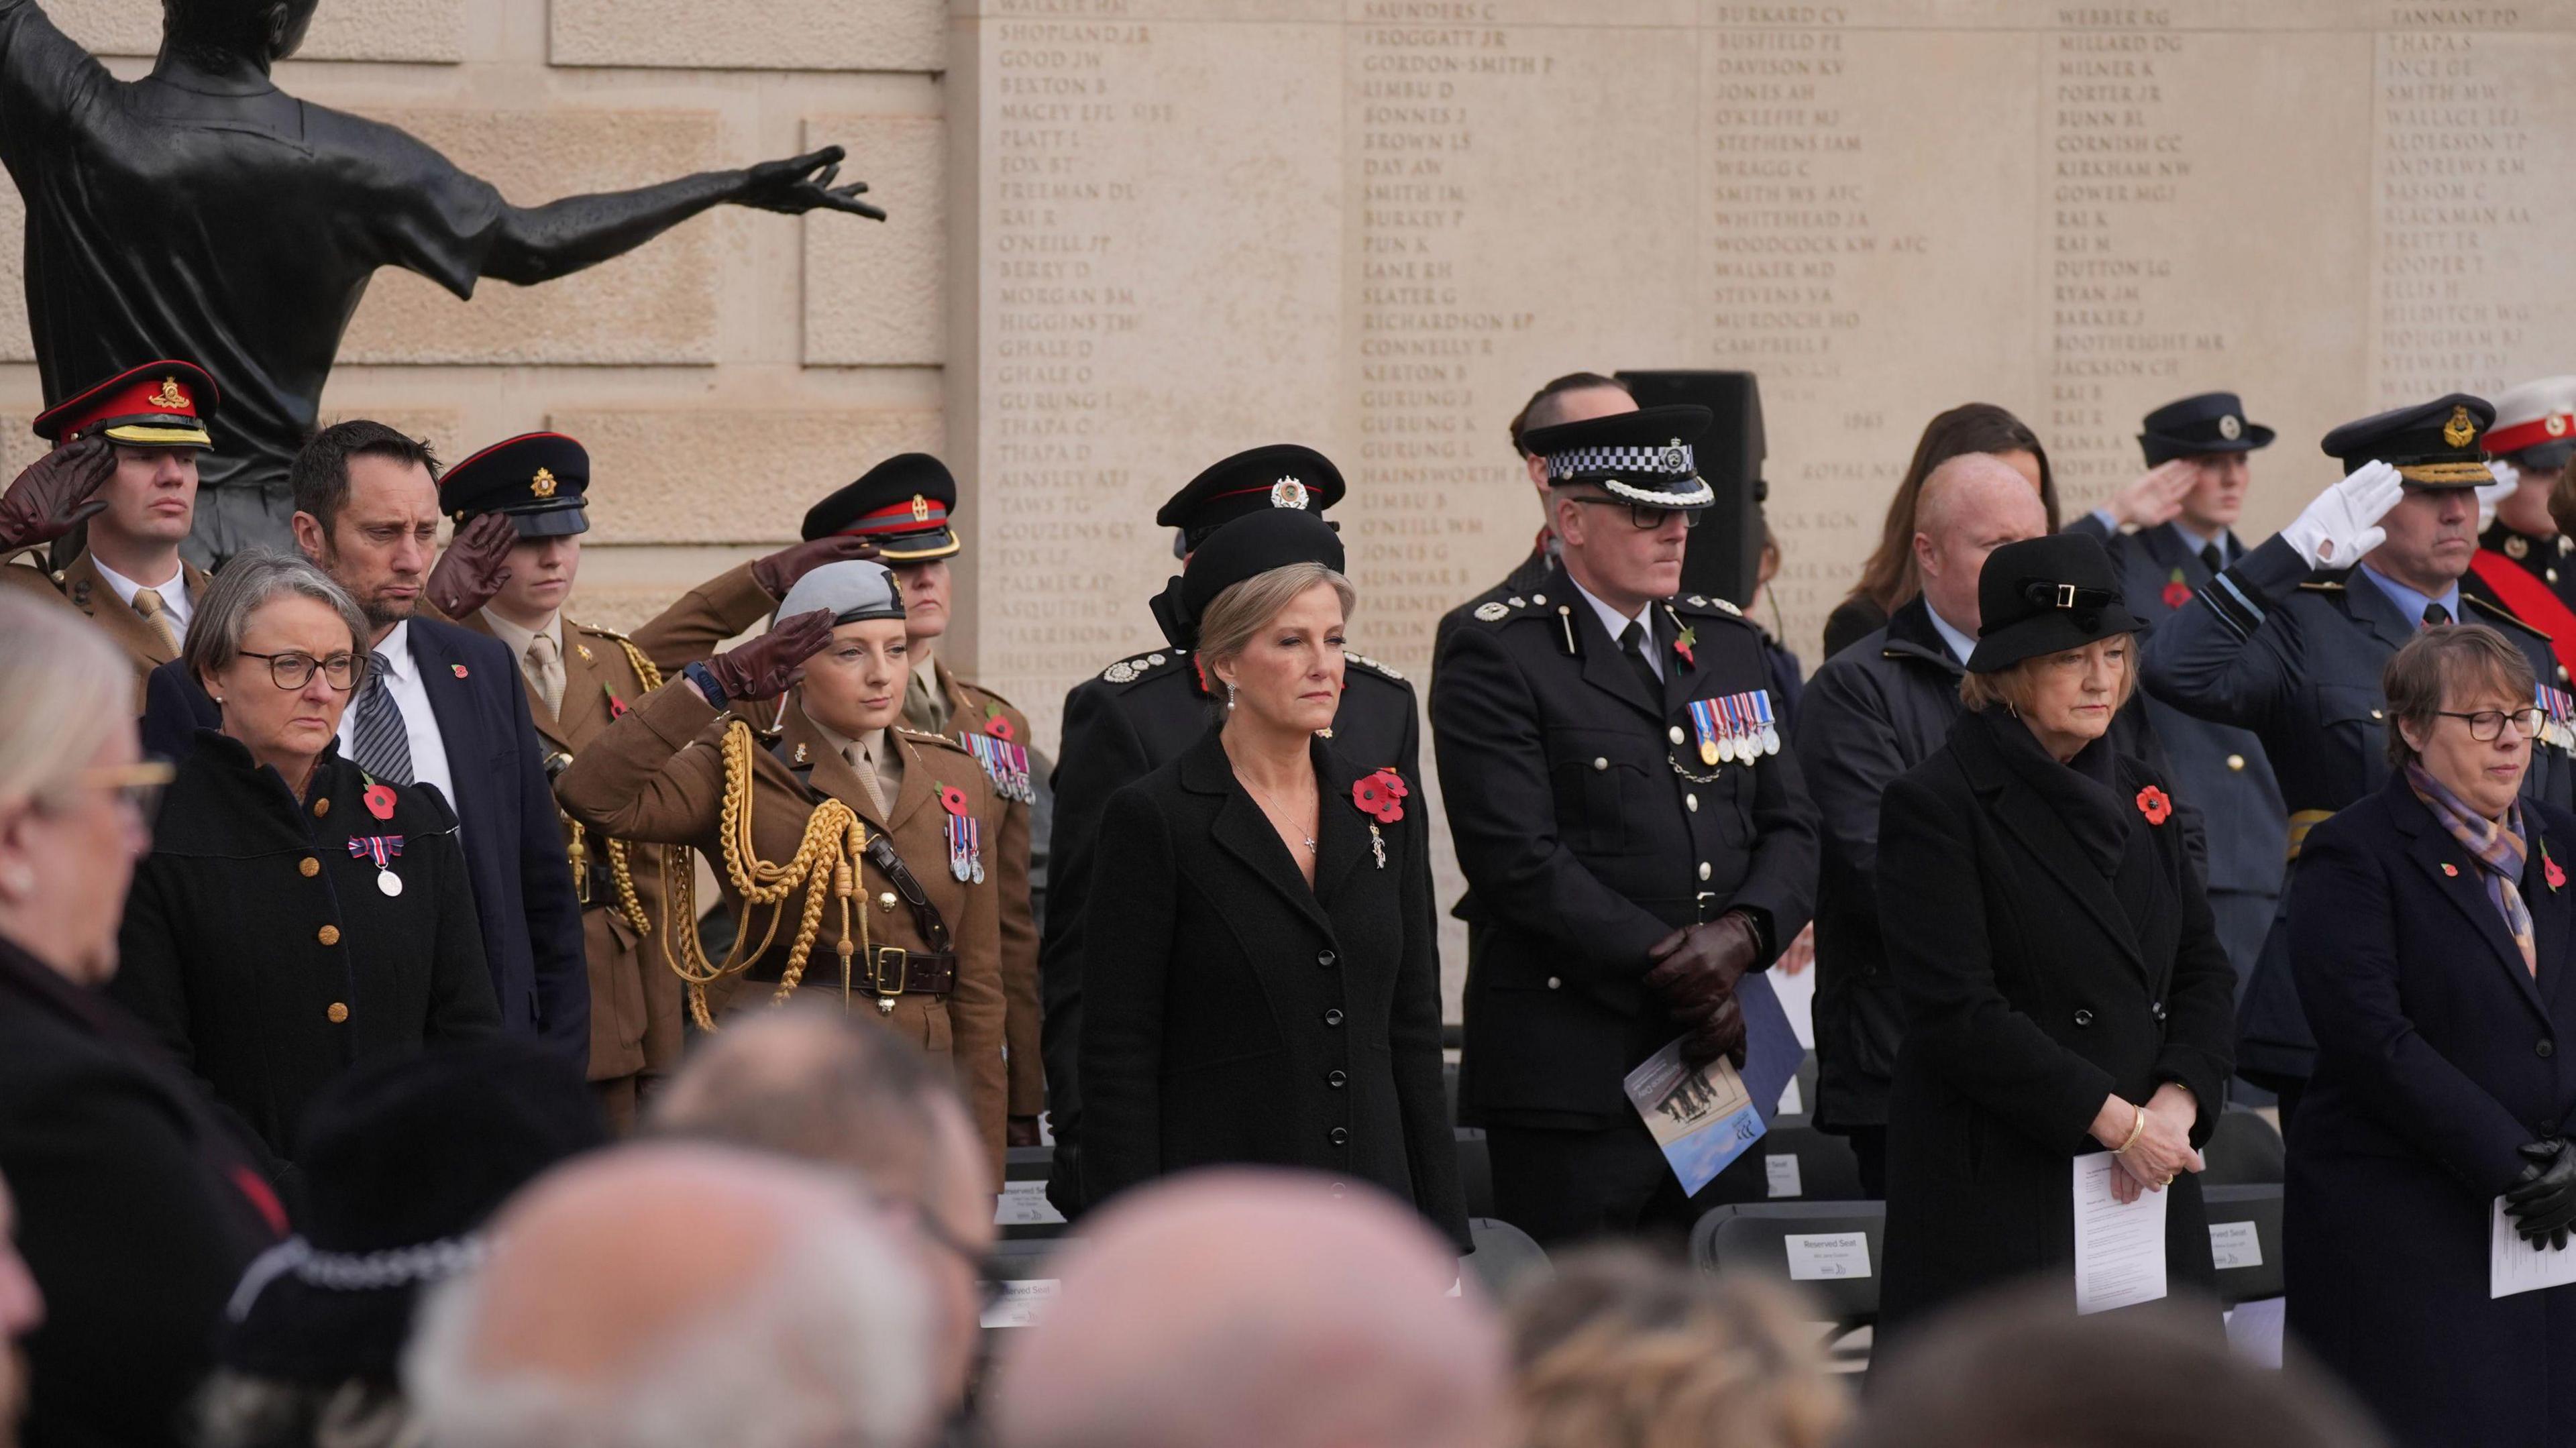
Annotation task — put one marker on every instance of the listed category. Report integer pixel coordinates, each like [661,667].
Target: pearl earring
[1229,695]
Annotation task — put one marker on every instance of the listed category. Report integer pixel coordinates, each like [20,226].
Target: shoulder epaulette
[1373,666]
[1136,666]
[1706,606]
[926,737]
[2498,613]
[2321,585]
[990,696]
[592,628]
[1501,610]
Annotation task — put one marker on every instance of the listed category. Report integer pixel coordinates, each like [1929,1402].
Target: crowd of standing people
[372,1071]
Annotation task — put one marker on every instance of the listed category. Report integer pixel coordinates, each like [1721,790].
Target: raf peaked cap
[1643,457]
[2535,415]
[159,404]
[2213,422]
[1249,547]
[540,479]
[2436,444]
[904,503]
[855,591]
[2045,596]
[1281,476]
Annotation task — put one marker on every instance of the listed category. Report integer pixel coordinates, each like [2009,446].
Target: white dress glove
[2507,478]
[2343,523]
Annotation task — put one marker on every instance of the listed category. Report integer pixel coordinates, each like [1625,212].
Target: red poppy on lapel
[952,799]
[380,801]
[459,668]
[998,725]
[2549,870]
[2177,592]
[1683,646]
[616,706]
[2155,804]
[1381,796]
[2451,870]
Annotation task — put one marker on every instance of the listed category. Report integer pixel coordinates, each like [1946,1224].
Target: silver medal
[1770,739]
[389,882]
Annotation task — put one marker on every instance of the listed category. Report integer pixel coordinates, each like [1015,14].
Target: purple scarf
[2496,845]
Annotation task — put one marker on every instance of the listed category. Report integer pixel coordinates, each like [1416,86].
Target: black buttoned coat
[1233,1014]
[2438,1054]
[269,981]
[2035,984]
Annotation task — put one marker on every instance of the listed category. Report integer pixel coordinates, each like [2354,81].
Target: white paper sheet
[1792,1103]
[2514,1265]
[1780,1175]
[2233,1245]
[2119,1250]
[1025,1204]
[1021,1302]
[1825,1256]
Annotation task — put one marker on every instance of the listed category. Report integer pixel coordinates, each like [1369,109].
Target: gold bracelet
[2137,1128]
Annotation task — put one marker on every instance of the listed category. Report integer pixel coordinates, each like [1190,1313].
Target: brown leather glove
[1695,972]
[763,668]
[475,565]
[55,494]
[778,572]
[1021,1131]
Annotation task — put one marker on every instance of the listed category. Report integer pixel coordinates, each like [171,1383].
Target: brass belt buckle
[902,959]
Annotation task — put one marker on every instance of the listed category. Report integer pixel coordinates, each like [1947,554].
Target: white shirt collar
[395,650]
[174,594]
[1614,622]
[1960,644]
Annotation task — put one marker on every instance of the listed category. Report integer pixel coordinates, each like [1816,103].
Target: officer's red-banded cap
[159,404]
[2532,415]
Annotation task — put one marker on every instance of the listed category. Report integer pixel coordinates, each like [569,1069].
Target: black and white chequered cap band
[1672,461]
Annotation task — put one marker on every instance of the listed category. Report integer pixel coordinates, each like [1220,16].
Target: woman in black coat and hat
[1263,979]
[2065,992]
[295,917]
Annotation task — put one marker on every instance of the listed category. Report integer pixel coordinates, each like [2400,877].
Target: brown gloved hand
[56,494]
[1021,1131]
[1718,1033]
[475,565]
[778,572]
[1697,966]
[763,668]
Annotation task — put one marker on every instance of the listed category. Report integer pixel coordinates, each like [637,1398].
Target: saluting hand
[2342,523]
[2155,498]
[763,668]
[778,572]
[475,565]
[54,495]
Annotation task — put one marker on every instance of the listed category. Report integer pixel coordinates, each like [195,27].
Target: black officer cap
[2434,444]
[1245,548]
[1642,457]
[2044,596]
[904,503]
[2213,422]
[1281,476]
[539,479]
[404,1159]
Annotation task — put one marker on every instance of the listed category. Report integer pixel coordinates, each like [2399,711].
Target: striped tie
[381,743]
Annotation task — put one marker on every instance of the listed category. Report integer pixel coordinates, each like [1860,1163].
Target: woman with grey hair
[136,1206]
[295,916]
[1262,983]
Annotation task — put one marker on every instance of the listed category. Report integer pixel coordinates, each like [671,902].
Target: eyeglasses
[138,785]
[341,671]
[1645,518]
[2487,725]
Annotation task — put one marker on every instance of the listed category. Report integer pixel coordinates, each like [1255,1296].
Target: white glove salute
[2507,478]
[2343,523]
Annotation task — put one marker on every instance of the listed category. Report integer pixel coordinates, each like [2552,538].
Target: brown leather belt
[886,970]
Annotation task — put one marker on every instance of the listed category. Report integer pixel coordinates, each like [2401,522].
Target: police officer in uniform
[907,507]
[855,854]
[123,470]
[1570,398]
[2219,769]
[2290,642]
[1625,819]
[1149,708]
[2524,561]
[580,678]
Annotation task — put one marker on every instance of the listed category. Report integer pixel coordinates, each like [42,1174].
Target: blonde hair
[64,677]
[1245,609]
[1625,1350]
[2016,685]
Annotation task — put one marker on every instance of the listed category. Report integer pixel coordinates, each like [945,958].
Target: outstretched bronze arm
[541,243]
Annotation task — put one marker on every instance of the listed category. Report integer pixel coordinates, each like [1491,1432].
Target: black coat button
[2083,1018]
[1325,958]
[1332,1018]
[1341,1136]
[2546,1048]
[1337,1080]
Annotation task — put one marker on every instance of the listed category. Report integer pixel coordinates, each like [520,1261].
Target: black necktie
[2211,558]
[1632,642]
[2436,615]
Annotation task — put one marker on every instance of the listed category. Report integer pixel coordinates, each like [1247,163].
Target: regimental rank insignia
[169,394]
[1005,763]
[1121,672]
[1492,612]
[543,484]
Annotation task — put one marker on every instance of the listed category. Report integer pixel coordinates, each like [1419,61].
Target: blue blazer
[514,849]
[2438,1055]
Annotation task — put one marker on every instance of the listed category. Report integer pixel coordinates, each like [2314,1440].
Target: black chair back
[2244,1150]
[1505,1256]
[1475,1171]
[2245,1241]
[1833,1249]
[1789,1163]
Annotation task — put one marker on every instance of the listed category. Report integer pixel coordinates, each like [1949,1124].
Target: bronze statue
[203,213]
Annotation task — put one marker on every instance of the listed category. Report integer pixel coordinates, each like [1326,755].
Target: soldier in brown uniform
[856,855]
[521,505]
[124,463]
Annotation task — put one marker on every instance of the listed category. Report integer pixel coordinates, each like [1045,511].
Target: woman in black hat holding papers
[2065,993]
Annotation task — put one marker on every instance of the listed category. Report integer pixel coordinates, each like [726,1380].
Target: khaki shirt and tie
[150,629]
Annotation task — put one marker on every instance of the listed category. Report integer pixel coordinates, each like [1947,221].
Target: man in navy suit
[440,705]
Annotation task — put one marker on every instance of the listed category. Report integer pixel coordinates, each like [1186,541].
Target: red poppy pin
[616,706]
[2451,870]
[459,668]
[380,800]
[998,724]
[2177,592]
[2155,804]
[1381,796]
[952,799]
[1684,645]
[2549,871]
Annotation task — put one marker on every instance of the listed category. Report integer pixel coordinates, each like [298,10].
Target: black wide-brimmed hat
[2045,596]
[2213,422]
[2437,444]
[403,1160]
[908,504]
[1246,548]
[540,479]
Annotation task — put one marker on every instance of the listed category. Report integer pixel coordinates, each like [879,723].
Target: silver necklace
[1269,807]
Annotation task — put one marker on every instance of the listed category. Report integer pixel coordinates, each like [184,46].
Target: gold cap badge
[920,508]
[169,395]
[543,484]
[2557,424]
[2461,430]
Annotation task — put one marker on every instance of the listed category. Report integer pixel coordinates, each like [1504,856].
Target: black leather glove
[55,494]
[1695,973]
[2542,1201]
[763,668]
[778,572]
[475,565]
